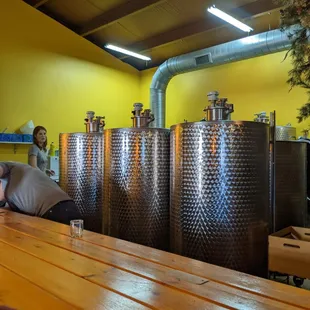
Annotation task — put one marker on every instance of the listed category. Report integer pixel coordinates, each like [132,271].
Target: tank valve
[261,117]
[141,118]
[94,123]
[219,109]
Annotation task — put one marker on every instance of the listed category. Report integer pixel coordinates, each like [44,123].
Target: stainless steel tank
[136,185]
[81,174]
[285,133]
[219,189]
[290,184]
[289,178]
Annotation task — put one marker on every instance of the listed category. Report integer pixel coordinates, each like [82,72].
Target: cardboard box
[289,252]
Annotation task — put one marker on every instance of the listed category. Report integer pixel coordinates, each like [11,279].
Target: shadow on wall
[89,53]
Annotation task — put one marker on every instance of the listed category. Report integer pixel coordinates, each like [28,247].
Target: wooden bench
[53,271]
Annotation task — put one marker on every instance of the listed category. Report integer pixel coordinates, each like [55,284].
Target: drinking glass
[76,228]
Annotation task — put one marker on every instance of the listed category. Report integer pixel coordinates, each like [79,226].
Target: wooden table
[42,267]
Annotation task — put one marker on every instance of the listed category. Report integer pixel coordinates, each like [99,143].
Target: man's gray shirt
[29,189]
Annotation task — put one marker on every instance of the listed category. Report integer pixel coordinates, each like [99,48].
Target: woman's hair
[35,141]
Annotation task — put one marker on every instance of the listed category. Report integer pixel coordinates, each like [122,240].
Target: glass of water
[76,228]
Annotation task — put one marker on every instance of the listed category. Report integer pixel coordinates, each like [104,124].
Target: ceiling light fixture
[124,51]
[229,19]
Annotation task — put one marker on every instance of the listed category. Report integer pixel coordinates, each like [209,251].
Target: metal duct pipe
[249,47]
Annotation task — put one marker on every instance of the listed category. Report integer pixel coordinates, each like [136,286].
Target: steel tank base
[136,185]
[219,190]
[81,174]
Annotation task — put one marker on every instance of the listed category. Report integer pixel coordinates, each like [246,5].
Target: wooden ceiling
[158,28]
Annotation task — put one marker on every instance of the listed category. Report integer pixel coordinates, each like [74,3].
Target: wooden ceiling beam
[36,3]
[40,3]
[107,18]
[209,23]
[58,19]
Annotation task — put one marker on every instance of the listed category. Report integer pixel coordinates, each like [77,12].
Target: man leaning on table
[30,191]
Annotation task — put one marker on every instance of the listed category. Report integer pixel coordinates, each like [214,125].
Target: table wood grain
[100,272]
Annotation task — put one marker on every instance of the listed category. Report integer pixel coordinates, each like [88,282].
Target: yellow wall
[253,85]
[53,76]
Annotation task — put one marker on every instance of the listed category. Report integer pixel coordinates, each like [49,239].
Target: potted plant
[297,12]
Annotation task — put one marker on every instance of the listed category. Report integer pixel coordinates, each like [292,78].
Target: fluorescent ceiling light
[122,50]
[229,19]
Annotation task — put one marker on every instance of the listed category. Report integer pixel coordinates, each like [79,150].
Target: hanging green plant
[297,12]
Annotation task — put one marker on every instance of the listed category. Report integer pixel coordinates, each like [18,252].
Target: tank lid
[218,109]
[287,126]
[94,123]
[261,117]
[141,118]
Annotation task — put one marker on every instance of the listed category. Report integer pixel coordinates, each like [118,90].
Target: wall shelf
[15,144]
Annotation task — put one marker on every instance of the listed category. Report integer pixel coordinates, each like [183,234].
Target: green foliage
[297,12]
